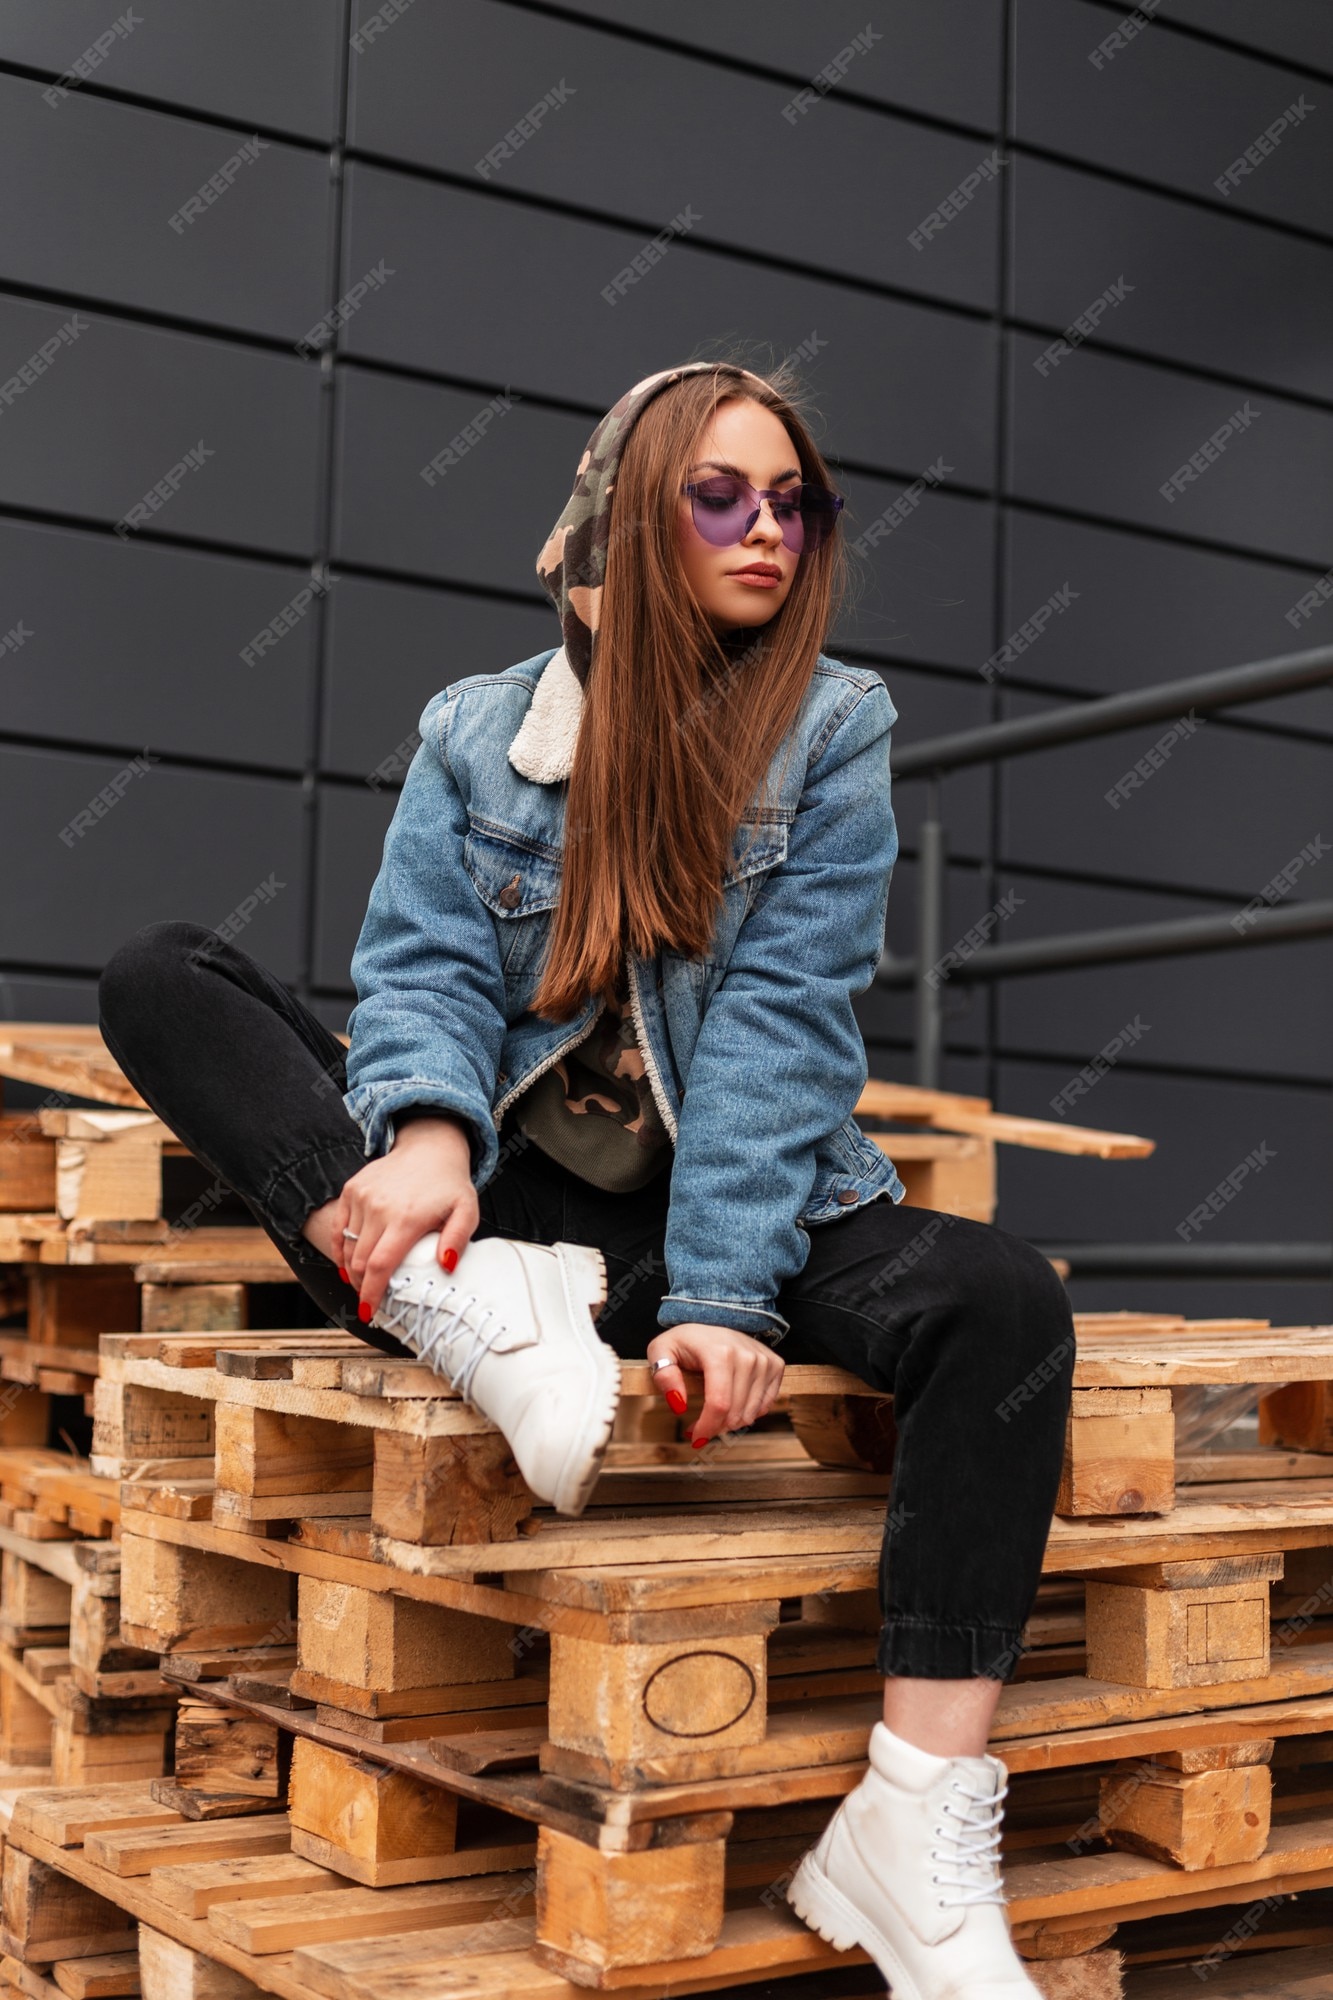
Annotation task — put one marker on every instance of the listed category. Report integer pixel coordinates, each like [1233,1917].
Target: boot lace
[441,1332]
[975,1845]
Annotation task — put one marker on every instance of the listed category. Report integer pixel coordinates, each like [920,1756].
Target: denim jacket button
[846,1196]
[512,894]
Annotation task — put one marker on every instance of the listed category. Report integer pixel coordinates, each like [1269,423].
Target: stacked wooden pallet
[654,1707]
[75,1703]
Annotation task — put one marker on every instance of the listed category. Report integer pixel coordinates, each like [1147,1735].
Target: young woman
[599,1095]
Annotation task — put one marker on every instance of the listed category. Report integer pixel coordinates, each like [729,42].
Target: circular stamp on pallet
[678,1698]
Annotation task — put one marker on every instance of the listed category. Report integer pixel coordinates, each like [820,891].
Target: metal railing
[1077,722]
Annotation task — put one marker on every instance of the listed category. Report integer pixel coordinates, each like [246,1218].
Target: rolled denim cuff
[306,1183]
[678,1309]
[925,1649]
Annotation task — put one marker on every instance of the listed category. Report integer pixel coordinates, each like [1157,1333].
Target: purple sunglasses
[725,509]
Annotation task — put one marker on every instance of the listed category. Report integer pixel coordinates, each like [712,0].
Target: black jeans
[968,1326]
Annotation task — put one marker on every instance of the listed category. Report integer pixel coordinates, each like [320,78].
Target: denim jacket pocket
[518,879]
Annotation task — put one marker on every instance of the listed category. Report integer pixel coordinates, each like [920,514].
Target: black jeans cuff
[305,1185]
[922,1649]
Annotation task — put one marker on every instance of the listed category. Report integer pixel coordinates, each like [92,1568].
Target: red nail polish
[676,1402]
[699,1443]
[343,1275]
[450,1258]
[363,1312]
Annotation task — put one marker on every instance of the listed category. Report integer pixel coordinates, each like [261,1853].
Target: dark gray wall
[1106,159]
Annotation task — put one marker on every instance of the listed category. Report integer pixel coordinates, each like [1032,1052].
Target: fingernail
[676,1402]
[450,1259]
[343,1275]
[363,1312]
[699,1443]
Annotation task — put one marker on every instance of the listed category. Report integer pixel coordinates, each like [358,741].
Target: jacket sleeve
[780,1062]
[429,1020]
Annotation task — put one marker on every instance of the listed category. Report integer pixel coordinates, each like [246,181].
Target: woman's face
[744,439]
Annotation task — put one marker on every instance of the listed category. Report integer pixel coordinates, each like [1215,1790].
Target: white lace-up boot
[908,1868]
[512,1331]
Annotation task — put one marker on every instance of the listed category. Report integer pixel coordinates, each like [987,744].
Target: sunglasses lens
[724,511]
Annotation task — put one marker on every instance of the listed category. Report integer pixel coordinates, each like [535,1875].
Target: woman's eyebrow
[790,472]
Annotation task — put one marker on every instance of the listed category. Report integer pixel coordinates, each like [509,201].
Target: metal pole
[1079,721]
[932,867]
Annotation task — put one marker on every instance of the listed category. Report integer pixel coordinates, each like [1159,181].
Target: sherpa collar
[543,748]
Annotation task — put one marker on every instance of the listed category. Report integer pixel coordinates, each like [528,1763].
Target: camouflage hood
[572,564]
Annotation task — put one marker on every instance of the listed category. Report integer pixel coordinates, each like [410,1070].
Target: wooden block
[621,1701]
[48,1915]
[27,1163]
[25,1725]
[65,1816]
[30,1595]
[106,1976]
[1299,1416]
[110,1166]
[218,1750]
[137,1850]
[169,1970]
[373,1639]
[77,1759]
[95,1645]
[264,1454]
[846,1430]
[220,1308]
[1220,1756]
[1092,1975]
[1119,1453]
[442,1490]
[133,1421]
[598,1911]
[1202,1819]
[173,1596]
[384,1825]
[193,1888]
[1057,1939]
[1176,1632]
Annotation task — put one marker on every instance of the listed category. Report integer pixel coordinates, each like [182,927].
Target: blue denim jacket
[753,1051]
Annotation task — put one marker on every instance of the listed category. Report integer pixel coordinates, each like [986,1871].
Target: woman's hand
[424,1183]
[742,1376]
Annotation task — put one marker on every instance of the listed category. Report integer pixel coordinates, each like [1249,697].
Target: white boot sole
[839,1922]
[583,1275]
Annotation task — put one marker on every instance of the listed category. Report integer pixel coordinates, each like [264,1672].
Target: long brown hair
[679,724]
